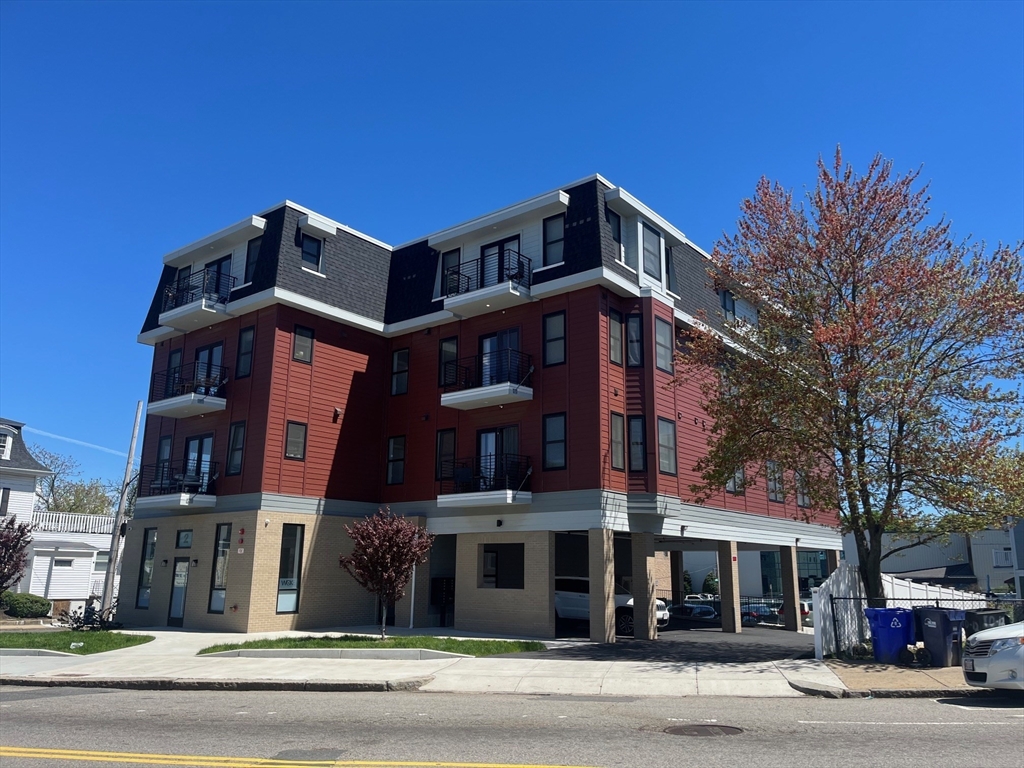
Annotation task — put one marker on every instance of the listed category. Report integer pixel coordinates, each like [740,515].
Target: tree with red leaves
[882,373]
[385,550]
[14,540]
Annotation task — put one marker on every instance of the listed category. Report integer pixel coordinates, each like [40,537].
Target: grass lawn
[468,647]
[92,642]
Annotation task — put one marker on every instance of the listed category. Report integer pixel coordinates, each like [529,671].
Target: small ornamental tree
[385,550]
[882,374]
[710,585]
[687,583]
[14,540]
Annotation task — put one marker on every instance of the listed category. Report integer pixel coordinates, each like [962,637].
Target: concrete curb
[921,693]
[818,689]
[207,684]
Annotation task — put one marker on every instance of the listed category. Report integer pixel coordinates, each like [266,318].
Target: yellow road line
[211,761]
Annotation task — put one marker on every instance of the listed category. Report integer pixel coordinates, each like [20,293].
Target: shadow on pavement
[997,700]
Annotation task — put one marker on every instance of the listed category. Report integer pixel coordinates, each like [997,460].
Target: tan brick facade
[529,611]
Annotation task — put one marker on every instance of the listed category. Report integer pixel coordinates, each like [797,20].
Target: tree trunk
[383,619]
[871,567]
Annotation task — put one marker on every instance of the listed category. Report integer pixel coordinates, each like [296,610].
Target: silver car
[994,658]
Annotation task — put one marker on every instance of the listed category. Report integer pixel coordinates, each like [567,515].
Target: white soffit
[624,204]
[536,207]
[317,226]
[218,243]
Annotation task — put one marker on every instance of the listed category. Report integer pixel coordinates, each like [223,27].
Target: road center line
[859,722]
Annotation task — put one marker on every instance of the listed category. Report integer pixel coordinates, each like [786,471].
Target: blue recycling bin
[892,630]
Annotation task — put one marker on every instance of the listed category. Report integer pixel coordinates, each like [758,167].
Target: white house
[67,559]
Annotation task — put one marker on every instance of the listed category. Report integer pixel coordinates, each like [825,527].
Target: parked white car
[994,658]
[572,601]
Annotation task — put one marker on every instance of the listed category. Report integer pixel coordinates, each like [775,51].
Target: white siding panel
[23,495]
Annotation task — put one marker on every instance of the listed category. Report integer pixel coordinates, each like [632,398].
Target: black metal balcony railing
[504,366]
[198,378]
[510,266]
[494,472]
[208,284]
[189,476]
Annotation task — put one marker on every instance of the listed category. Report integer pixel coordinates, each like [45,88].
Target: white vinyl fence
[840,624]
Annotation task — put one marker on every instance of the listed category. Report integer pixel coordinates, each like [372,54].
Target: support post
[790,589]
[729,586]
[832,560]
[645,622]
[115,538]
[602,585]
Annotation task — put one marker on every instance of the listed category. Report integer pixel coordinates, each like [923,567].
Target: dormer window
[728,305]
[5,446]
[311,250]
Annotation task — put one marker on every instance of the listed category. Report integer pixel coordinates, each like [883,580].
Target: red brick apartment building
[503,381]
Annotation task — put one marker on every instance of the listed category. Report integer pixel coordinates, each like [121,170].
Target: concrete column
[676,560]
[645,625]
[790,589]
[729,586]
[832,558]
[602,585]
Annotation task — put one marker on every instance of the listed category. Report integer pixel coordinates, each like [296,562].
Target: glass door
[493,445]
[498,261]
[172,383]
[496,356]
[196,472]
[176,612]
[208,371]
[217,274]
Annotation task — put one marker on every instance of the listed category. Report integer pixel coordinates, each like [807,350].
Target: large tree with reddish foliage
[14,540]
[385,548]
[883,373]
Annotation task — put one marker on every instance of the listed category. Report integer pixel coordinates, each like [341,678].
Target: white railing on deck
[65,522]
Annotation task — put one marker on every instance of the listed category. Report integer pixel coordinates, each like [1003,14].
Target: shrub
[25,606]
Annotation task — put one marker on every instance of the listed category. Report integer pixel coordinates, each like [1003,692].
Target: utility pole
[115,537]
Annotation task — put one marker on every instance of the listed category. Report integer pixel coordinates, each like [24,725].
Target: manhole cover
[703,730]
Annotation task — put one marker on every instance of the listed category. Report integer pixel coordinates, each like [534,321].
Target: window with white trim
[652,252]
[312,249]
[735,484]
[6,441]
[775,487]
[554,239]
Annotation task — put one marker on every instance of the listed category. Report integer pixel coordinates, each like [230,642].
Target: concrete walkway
[171,657]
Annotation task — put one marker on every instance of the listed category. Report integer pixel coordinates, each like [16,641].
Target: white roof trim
[623,198]
[557,198]
[339,225]
[246,229]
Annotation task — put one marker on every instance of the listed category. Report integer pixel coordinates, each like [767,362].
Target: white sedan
[994,658]
[572,601]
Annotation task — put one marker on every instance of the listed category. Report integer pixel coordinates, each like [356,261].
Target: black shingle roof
[20,456]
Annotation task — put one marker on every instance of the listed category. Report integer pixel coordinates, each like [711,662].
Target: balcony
[175,484]
[487,481]
[487,284]
[188,390]
[196,301]
[492,378]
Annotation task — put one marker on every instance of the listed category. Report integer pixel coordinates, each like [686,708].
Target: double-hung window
[615,336]
[252,253]
[637,446]
[236,446]
[663,345]
[396,460]
[652,252]
[554,441]
[295,441]
[444,467]
[736,483]
[618,441]
[775,486]
[5,445]
[302,344]
[312,250]
[554,239]
[243,361]
[666,446]
[728,304]
[635,341]
[803,496]
[615,222]
[399,371]
[554,339]
[448,362]
[450,272]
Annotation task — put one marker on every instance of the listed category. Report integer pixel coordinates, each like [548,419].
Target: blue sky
[128,130]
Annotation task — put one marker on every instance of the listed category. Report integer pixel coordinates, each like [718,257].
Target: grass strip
[451,645]
[91,642]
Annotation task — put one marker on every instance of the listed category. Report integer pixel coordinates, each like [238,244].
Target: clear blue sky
[130,129]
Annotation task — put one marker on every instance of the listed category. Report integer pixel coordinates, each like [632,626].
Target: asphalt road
[240,728]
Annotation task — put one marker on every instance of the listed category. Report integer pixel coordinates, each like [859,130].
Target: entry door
[173,381]
[208,373]
[495,264]
[198,454]
[176,612]
[497,360]
[493,445]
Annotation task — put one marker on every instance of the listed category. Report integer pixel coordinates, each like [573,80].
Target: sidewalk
[170,661]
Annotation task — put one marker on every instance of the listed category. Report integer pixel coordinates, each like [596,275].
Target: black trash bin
[984,618]
[941,629]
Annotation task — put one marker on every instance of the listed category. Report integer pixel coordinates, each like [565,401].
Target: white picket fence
[66,522]
[848,626]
